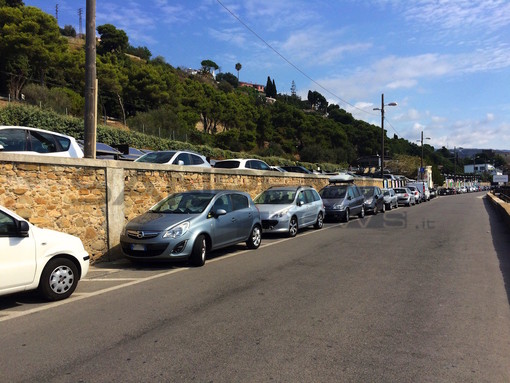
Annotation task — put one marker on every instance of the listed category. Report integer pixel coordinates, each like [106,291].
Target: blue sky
[445,62]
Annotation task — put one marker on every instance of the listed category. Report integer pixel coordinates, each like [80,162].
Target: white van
[423,188]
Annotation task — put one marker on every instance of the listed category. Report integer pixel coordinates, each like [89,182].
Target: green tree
[68,30]
[293,89]
[11,3]
[142,52]
[30,44]
[113,40]
[228,77]
[238,68]
[270,88]
[208,66]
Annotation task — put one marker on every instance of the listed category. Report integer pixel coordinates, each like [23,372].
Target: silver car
[287,209]
[405,196]
[188,225]
[390,198]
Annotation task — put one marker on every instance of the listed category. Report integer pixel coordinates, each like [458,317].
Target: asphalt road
[418,294]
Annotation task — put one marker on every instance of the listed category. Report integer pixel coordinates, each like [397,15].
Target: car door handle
[233,219]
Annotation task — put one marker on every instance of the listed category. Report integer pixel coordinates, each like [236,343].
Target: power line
[287,60]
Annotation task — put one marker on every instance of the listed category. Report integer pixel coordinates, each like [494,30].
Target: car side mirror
[349,197]
[1,147]
[23,228]
[180,162]
[220,212]
[301,203]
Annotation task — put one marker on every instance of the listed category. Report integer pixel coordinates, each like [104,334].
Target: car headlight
[369,201]
[338,207]
[177,231]
[280,214]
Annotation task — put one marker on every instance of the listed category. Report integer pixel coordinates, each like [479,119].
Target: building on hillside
[259,88]
[482,168]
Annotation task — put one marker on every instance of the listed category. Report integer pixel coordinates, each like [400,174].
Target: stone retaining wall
[93,199]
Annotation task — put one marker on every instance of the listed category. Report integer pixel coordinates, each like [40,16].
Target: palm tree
[238,68]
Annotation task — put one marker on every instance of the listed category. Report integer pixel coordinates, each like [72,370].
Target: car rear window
[333,192]
[227,164]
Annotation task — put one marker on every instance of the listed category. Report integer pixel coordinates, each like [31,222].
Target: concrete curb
[502,207]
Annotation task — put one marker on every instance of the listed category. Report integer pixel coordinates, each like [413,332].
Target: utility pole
[382,133]
[421,167]
[90,81]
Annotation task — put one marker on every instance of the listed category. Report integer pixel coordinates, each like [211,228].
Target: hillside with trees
[43,65]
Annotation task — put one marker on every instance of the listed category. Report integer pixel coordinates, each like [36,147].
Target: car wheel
[375,211]
[383,208]
[320,221]
[199,251]
[58,279]
[362,212]
[347,215]
[293,227]
[255,238]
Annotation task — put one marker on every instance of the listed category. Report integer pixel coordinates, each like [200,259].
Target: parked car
[423,188]
[278,169]
[374,199]
[416,192]
[103,151]
[343,200]
[297,169]
[242,163]
[390,198]
[38,141]
[405,196]
[290,208]
[433,193]
[34,258]
[175,157]
[186,226]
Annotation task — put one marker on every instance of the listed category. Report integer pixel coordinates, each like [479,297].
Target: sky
[446,63]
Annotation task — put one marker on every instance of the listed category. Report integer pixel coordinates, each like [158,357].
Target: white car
[33,258]
[28,140]
[242,163]
[175,157]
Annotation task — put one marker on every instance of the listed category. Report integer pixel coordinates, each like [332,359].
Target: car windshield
[276,197]
[333,192]
[387,193]
[183,203]
[367,191]
[157,157]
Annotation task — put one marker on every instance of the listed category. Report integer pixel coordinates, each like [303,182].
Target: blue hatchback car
[186,226]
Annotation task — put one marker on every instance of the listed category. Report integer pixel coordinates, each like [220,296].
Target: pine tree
[293,89]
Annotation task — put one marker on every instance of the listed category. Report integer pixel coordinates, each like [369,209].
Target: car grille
[269,223]
[139,234]
[150,250]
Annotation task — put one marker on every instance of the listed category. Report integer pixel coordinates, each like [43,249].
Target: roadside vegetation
[167,107]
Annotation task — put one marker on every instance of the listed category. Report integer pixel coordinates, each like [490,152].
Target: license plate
[137,247]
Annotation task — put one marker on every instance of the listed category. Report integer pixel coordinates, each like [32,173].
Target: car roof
[3,127]
[286,187]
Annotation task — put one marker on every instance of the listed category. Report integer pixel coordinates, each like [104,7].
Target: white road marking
[78,296]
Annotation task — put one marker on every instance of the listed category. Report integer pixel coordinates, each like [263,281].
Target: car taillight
[406,195]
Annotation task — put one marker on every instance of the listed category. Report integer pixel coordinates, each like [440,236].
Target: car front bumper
[172,249]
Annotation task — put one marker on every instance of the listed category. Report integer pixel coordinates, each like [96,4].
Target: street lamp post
[382,129]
